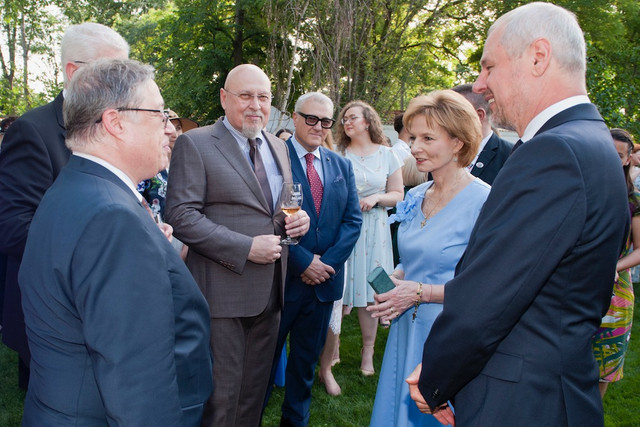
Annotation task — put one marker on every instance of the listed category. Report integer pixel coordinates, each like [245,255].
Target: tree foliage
[382,51]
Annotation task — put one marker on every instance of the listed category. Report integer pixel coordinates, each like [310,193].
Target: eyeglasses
[346,120]
[80,62]
[263,98]
[165,113]
[311,120]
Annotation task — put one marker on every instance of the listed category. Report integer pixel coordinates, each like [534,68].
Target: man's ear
[481,114]
[69,69]
[540,51]
[112,123]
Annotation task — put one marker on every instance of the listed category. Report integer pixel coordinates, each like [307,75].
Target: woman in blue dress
[435,219]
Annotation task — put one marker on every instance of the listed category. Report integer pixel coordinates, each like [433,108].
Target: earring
[367,128]
[455,158]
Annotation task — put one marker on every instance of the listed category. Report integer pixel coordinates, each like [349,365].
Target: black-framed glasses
[263,98]
[311,120]
[163,112]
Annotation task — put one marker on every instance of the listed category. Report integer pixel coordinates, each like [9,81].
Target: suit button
[436,394]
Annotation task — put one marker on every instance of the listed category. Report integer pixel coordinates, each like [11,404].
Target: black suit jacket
[513,342]
[492,158]
[33,152]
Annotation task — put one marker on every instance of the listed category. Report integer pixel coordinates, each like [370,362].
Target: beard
[498,120]
[251,131]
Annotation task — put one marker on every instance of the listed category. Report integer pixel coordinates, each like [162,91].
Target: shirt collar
[301,151]
[117,172]
[543,117]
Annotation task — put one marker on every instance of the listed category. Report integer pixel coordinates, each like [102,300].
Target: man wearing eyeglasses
[118,328]
[315,274]
[222,201]
[33,152]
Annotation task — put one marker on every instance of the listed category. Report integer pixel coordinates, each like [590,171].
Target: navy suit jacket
[331,235]
[33,153]
[513,342]
[118,329]
[492,158]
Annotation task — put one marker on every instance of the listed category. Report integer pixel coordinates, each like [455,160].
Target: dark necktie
[314,182]
[261,174]
[516,146]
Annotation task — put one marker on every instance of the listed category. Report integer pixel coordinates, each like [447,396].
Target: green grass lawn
[353,407]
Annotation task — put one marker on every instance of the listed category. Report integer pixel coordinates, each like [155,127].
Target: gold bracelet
[418,300]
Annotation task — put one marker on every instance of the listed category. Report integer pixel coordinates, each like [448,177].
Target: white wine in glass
[290,202]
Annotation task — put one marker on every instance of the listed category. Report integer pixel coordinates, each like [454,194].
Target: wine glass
[290,202]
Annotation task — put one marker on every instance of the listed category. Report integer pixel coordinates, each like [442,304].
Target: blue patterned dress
[428,255]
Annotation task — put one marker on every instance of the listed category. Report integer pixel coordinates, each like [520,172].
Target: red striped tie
[314,182]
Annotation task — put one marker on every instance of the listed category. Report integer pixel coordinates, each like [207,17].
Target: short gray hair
[96,87]
[87,42]
[534,20]
[316,96]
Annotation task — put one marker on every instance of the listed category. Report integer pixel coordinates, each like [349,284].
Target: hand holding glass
[290,202]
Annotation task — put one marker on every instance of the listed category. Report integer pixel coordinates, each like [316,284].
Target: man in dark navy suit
[493,151]
[33,152]
[512,345]
[117,326]
[315,275]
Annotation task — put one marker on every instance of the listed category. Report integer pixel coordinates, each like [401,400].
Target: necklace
[427,216]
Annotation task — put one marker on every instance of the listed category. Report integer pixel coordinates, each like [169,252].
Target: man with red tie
[315,275]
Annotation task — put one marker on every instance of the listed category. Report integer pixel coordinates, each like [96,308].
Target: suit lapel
[330,174]
[485,157]
[298,175]
[229,149]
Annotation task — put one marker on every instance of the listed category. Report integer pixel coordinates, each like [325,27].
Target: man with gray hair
[33,152]
[493,150]
[315,273]
[118,329]
[512,345]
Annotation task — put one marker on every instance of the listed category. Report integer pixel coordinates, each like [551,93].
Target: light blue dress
[373,247]
[428,255]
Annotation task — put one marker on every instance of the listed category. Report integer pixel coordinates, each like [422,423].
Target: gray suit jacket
[216,207]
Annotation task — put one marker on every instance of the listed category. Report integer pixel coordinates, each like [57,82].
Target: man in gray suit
[117,327]
[222,202]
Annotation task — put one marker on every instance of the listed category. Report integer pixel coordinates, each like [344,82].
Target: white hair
[560,27]
[90,41]
[316,96]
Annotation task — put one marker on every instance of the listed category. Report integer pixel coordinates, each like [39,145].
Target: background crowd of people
[147,281]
